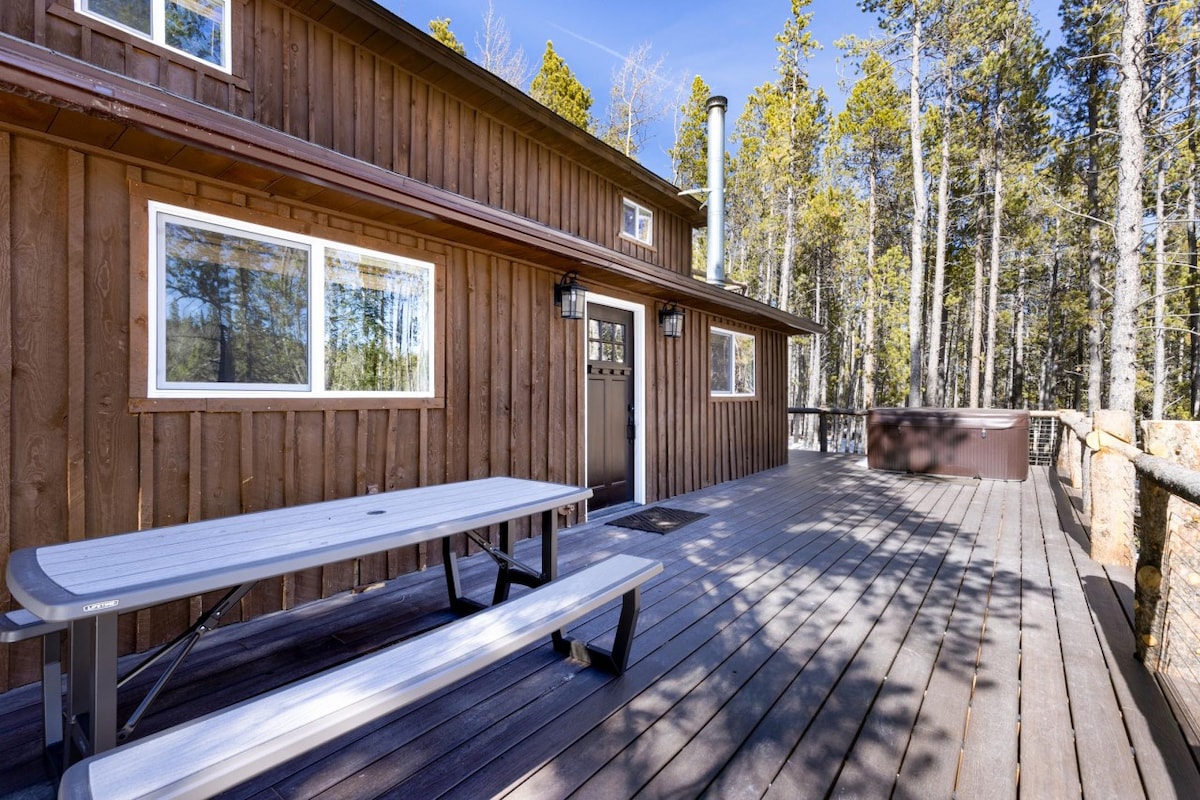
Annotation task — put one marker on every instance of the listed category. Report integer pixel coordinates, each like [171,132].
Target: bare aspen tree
[497,54]
[635,100]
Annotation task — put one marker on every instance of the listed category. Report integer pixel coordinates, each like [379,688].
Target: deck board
[826,631]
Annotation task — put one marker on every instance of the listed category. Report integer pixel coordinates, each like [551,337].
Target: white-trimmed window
[242,310]
[637,222]
[196,28]
[731,363]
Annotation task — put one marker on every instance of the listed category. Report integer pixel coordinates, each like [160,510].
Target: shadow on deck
[825,631]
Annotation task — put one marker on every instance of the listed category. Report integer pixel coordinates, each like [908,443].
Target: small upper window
[198,28]
[637,222]
[731,363]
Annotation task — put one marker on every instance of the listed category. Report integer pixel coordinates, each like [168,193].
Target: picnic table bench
[202,757]
[86,584]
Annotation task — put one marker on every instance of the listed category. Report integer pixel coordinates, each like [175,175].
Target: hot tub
[967,442]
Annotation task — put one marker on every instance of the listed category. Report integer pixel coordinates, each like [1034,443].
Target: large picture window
[244,310]
[731,363]
[197,28]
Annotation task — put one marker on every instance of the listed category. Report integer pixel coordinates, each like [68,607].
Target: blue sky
[729,44]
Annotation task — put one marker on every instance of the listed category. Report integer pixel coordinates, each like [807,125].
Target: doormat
[658,519]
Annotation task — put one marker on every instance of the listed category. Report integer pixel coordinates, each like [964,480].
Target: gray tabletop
[134,570]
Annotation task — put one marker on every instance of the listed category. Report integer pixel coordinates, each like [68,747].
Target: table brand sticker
[101,606]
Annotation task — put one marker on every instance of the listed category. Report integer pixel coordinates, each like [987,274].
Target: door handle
[631,425]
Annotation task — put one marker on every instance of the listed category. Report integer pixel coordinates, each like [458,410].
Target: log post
[1167,591]
[1112,482]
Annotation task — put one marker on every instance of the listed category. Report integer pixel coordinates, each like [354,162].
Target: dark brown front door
[610,411]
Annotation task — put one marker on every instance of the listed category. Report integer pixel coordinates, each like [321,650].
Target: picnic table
[87,584]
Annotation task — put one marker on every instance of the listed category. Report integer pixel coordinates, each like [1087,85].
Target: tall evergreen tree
[557,88]
[689,155]
[440,30]
[871,129]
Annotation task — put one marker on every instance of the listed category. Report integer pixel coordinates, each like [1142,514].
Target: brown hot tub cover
[968,442]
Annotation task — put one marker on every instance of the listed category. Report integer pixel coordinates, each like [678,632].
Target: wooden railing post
[1168,568]
[1111,481]
[823,431]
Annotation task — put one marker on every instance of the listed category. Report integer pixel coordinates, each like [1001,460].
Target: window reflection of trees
[194,26]
[237,308]
[376,332]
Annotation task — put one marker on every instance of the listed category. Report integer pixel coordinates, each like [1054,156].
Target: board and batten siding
[316,72]
[83,456]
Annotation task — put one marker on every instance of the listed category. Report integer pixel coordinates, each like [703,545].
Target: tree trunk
[1017,388]
[934,388]
[920,209]
[1160,266]
[1192,256]
[789,246]
[870,299]
[977,293]
[1095,338]
[1049,362]
[1128,217]
[989,364]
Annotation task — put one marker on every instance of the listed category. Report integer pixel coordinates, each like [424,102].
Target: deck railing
[1142,508]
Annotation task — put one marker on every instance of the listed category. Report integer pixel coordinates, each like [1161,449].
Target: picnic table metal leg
[503,575]
[458,603]
[52,701]
[92,681]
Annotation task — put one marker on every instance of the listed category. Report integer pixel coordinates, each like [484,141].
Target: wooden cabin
[269,252]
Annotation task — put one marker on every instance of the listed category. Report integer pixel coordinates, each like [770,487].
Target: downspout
[716,189]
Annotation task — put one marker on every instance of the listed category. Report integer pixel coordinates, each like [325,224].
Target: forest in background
[986,223]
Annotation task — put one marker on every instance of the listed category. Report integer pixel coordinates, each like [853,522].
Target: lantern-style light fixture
[570,296]
[670,317]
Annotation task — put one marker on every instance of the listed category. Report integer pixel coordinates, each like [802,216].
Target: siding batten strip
[76,324]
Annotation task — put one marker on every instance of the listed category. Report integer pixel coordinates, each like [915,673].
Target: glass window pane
[194,26]
[378,334]
[719,362]
[629,219]
[743,371]
[644,227]
[236,307]
[134,14]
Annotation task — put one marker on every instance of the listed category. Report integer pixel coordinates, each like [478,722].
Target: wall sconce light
[570,296]
[670,317]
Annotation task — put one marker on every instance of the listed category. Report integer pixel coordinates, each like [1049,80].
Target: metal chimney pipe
[716,189]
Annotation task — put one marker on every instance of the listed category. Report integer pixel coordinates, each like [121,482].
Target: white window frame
[733,336]
[158,34]
[640,212]
[156,384]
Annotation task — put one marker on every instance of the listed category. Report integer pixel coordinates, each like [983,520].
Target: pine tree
[440,30]
[557,88]
[871,129]
[689,155]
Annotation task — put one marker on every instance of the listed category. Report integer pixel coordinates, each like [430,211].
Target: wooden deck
[825,632]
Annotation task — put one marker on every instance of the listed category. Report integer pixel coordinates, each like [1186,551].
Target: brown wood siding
[84,464]
[696,440]
[299,75]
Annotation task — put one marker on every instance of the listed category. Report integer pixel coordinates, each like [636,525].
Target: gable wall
[315,72]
